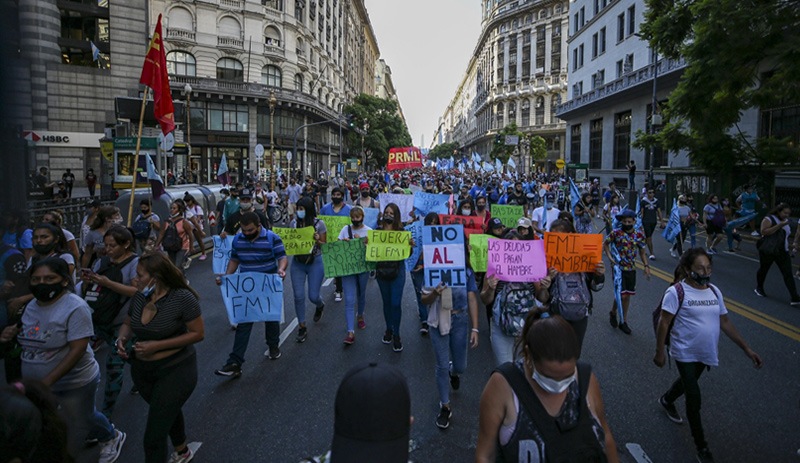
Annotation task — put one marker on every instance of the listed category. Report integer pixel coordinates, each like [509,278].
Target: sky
[427,44]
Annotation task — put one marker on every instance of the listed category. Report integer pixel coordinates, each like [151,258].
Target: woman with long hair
[611,210]
[584,213]
[49,241]
[391,278]
[546,399]
[777,223]
[482,211]
[355,286]
[184,228]
[55,333]
[93,242]
[308,267]
[55,217]
[157,337]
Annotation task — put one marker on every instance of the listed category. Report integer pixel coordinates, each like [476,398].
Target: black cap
[495,223]
[245,194]
[626,214]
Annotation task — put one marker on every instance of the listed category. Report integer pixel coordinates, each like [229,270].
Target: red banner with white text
[404,158]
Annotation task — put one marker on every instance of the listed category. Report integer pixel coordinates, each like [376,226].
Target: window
[540,42]
[602,40]
[181,19]
[621,27]
[82,25]
[575,144]
[580,56]
[230,69]
[574,59]
[301,48]
[555,102]
[594,46]
[227,117]
[271,76]
[598,79]
[575,23]
[555,48]
[582,14]
[577,89]
[229,27]
[596,144]
[499,114]
[619,69]
[299,13]
[539,118]
[631,19]
[526,112]
[512,111]
[272,38]
[627,67]
[180,63]
[298,82]
[622,140]
[596,7]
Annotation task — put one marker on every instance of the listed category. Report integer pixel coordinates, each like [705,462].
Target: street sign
[288,155]
[259,151]
[166,143]
[512,140]
[560,163]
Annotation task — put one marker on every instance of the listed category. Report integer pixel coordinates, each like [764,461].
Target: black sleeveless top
[572,436]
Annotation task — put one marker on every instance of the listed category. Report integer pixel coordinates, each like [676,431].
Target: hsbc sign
[64,139]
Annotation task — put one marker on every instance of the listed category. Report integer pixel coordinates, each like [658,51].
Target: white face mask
[550,385]
[466,211]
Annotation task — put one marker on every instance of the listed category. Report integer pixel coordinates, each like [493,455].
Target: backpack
[511,306]
[172,241]
[569,296]
[104,302]
[657,312]
[718,219]
[141,228]
[772,245]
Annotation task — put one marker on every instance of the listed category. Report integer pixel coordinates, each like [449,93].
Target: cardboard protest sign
[429,202]
[573,252]
[252,297]
[516,261]
[296,241]
[386,245]
[334,224]
[404,158]
[443,255]
[509,215]
[371,217]
[222,254]
[472,224]
[478,251]
[343,258]
[404,202]
[416,234]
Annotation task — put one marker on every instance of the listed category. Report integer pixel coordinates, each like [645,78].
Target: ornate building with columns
[517,73]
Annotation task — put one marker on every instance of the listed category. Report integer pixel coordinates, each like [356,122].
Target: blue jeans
[115,367]
[79,411]
[418,278]
[272,333]
[392,294]
[314,272]
[693,235]
[502,344]
[355,287]
[732,236]
[450,348]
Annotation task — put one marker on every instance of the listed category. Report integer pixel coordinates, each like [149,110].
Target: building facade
[517,73]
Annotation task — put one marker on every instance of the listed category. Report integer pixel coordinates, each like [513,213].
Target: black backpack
[172,241]
[141,228]
[104,302]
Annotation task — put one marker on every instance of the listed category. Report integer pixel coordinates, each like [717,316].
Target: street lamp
[655,119]
[187,92]
[272,102]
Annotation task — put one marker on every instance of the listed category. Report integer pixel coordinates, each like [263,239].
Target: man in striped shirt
[255,249]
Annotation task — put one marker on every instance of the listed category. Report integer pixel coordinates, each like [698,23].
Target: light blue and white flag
[512,164]
[673,228]
[498,165]
[95,52]
[574,196]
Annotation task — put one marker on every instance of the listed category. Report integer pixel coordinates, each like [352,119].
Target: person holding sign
[308,267]
[584,215]
[481,211]
[418,279]
[337,207]
[627,242]
[391,278]
[157,338]
[355,285]
[451,313]
[255,249]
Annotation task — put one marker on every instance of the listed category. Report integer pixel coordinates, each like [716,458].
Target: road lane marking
[779,326]
[327,282]
[638,453]
[287,331]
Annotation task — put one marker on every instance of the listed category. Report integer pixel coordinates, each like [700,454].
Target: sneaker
[350,339]
[387,337]
[652,257]
[673,253]
[710,251]
[274,353]
[672,412]
[202,257]
[186,263]
[186,457]
[755,233]
[704,455]
[795,303]
[318,313]
[361,323]
[134,390]
[423,329]
[90,442]
[760,292]
[234,326]
[612,318]
[230,369]
[372,274]
[397,344]
[337,296]
[302,334]
[455,381]
[624,328]
[443,419]
[109,451]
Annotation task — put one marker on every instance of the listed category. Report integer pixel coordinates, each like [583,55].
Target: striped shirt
[260,255]
[174,311]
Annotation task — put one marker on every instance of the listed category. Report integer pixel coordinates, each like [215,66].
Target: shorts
[649,228]
[629,282]
[595,202]
[712,229]
[291,209]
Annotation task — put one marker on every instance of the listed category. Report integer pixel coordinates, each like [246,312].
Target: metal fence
[72,210]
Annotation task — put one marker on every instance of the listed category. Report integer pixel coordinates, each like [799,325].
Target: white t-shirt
[357,233]
[68,235]
[695,334]
[538,217]
[272,198]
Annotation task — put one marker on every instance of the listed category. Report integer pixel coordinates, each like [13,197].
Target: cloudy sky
[427,43]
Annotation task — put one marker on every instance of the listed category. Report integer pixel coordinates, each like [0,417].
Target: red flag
[154,75]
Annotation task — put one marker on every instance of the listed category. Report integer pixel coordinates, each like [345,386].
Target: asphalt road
[282,411]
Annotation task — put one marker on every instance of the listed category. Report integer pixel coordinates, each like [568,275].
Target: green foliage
[538,148]
[385,128]
[443,151]
[740,54]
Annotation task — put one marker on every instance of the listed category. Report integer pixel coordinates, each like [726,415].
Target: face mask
[145,211]
[627,228]
[481,207]
[365,194]
[44,249]
[388,219]
[682,203]
[550,206]
[250,237]
[46,292]
[337,200]
[357,223]
[550,385]
[246,205]
[116,221]
[301,214]
[701,280]
[466,211]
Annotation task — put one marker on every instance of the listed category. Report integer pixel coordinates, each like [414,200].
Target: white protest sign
[253,297]
[404,202]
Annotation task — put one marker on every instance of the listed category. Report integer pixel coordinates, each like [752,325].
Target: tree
[500,150]
[741,54]
[443,151]
[538,148]
[385,128]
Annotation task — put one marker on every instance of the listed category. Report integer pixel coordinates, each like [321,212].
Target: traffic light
[351,120]
[498,139]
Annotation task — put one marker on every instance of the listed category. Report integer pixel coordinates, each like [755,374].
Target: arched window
[558,8]
[499,114]
[180,63]
[271,76]
[301,47]
[555,101]
[272,37]
[230,69]
[180,18]
[539,111]
[298,82]
[229,27]
[526,112]
[512,111]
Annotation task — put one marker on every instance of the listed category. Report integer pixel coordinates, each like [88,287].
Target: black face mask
[145,211]
[250,237]
[357,223]
[701,280]
[388,219]
[627,228]
[44,249]
[336,200]
[46,292]
[365,194]
[481,207]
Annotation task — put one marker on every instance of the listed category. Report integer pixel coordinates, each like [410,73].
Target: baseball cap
[372,416]
[550,196]
[363,185]
[495,223]
[626,214]
[524,222]
[246,194]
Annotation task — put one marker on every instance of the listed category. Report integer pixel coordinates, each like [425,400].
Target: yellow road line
[779,326]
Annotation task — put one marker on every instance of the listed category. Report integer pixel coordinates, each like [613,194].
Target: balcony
[273,14]
[232,4]
[230,43]
[180,35]
[273,50]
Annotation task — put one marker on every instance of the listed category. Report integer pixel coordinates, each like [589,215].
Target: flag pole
[136,156]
